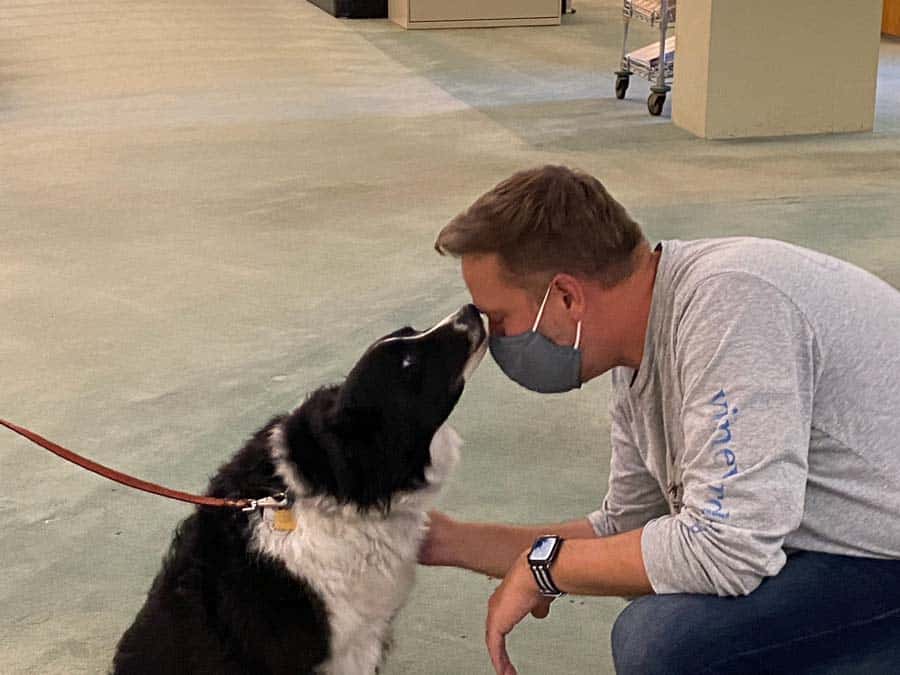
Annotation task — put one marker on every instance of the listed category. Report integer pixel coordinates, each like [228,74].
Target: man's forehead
[481,266]
[491,291]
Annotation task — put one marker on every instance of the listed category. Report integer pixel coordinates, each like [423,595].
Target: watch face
[542,548]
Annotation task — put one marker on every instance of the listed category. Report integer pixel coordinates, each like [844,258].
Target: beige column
[775,67]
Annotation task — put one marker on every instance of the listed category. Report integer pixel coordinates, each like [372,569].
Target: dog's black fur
[219,607]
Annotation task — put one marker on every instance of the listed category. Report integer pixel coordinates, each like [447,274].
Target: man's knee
[648,638]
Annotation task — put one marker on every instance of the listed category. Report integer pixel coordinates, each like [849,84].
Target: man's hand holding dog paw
[438,547]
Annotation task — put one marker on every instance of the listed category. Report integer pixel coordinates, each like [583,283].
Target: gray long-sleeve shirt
[764,416]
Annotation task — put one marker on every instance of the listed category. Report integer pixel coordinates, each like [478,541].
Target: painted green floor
[209,208]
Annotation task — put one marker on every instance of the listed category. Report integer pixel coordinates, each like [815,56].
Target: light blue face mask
[535,361]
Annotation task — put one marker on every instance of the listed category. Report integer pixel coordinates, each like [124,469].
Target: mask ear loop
[541,313]
[541,310]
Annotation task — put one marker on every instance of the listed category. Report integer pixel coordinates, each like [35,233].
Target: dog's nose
[470,313]
[468,318]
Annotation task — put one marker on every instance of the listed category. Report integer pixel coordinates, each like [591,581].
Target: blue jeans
[822,614]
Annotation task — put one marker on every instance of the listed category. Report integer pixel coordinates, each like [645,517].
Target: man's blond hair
[544,221]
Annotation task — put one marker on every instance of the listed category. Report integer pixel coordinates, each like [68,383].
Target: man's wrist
[455,544]
[543,553]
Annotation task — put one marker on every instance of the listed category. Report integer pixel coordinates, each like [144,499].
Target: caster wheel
[655,103]
[622,82]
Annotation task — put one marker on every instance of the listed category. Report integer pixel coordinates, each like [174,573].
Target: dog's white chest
[361,564]
[362,567]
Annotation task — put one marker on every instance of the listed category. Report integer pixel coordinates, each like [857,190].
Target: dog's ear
[358,458]
[353,419]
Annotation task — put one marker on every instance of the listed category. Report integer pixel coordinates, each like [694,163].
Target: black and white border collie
[361,462]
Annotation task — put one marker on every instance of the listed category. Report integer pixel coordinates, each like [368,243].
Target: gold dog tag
[283,520]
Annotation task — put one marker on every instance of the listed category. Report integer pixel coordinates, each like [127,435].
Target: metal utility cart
[650,62]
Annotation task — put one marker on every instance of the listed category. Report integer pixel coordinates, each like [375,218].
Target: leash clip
[276,501]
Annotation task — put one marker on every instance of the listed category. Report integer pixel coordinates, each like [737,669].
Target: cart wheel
[622,82]
[655,103]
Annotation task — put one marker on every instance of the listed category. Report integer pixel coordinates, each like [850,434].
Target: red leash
[276,501]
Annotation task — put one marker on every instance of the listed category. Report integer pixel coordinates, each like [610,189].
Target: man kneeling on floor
[754,492]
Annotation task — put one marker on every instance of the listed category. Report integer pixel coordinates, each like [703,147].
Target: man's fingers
[496,644]
[542,610]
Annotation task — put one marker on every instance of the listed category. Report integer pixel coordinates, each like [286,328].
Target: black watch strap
[545,581]
[540,569]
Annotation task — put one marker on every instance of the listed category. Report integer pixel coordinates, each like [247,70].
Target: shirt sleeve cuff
[653,552]
[598,521]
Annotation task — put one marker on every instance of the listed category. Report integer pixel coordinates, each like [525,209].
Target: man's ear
[572,291]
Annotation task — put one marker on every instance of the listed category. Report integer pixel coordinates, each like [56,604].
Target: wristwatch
[540,558]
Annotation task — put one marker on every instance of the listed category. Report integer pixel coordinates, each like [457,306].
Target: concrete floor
[208,208]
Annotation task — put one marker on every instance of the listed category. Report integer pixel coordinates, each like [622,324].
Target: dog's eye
[411,374]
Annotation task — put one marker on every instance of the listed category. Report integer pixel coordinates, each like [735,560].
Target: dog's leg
[386,645]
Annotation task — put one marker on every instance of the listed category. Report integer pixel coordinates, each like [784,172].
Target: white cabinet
[473,13]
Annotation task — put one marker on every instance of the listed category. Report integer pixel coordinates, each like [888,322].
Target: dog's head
[382,432]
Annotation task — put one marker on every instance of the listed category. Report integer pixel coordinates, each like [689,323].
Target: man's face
[510,309]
